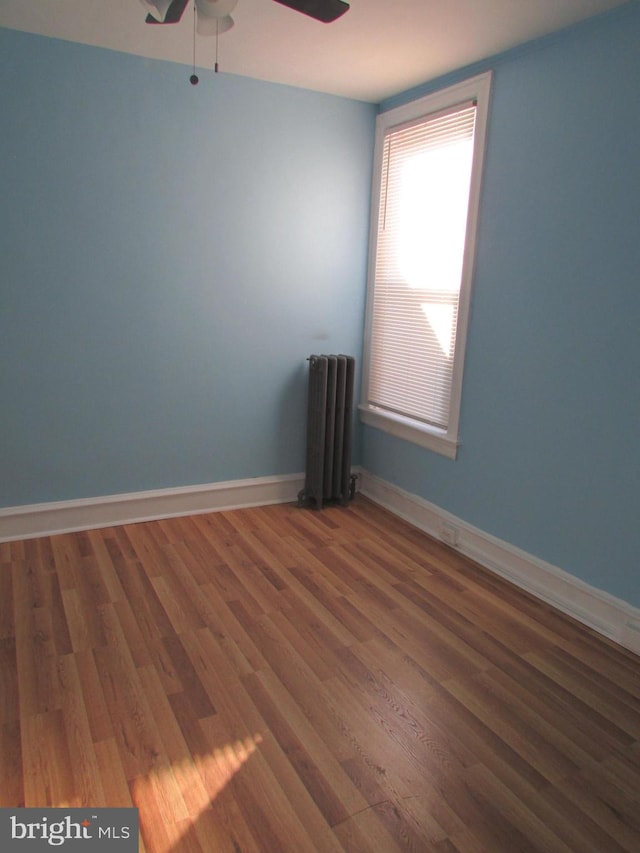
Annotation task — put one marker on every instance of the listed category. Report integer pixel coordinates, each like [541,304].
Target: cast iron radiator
[330,406]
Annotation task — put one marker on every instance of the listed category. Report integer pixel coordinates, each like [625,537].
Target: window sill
[407,429]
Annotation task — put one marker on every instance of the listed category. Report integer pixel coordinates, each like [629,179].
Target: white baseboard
[610,616]
[47,519]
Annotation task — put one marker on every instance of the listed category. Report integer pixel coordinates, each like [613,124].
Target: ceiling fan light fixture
[214,26]
[215,8]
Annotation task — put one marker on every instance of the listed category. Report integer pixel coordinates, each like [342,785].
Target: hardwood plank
[98,717]
[97,540]
[146,545]
[67,555]
[11,766]
[280,679]
[7,610]
[87,784]
[314,642]
[265,808]
[399,689]
[84,633]
[59,623]
[36,653]
[322,775]
[442,782]
[409,824]
[619,714]
[184,769]
[528,743]
[112,776]
[135,730]
[190,679]
[512,820]
[48,766]
[365,831]
[222,828]
[134,638]
[233,640]
[9,702]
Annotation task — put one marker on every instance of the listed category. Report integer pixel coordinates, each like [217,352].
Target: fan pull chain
[194,80]
[215,67]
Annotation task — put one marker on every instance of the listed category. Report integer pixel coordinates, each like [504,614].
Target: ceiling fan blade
[174,13]
[322,10]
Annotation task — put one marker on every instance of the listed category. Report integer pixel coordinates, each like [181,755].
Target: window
[428,164]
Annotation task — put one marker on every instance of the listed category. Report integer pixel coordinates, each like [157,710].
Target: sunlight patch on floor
[172,798]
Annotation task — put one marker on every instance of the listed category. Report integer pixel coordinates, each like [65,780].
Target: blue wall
[550,459]
[169,257]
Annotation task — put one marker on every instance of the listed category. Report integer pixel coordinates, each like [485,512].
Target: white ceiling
[377,49]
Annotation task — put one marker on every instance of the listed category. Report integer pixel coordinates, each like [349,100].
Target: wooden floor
[279,679]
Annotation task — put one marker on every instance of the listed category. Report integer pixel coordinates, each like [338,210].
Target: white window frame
[444,441]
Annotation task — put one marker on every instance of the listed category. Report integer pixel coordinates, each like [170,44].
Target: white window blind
[420,249]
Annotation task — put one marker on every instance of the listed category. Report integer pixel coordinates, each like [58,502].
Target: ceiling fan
[170,11]
[213,17]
